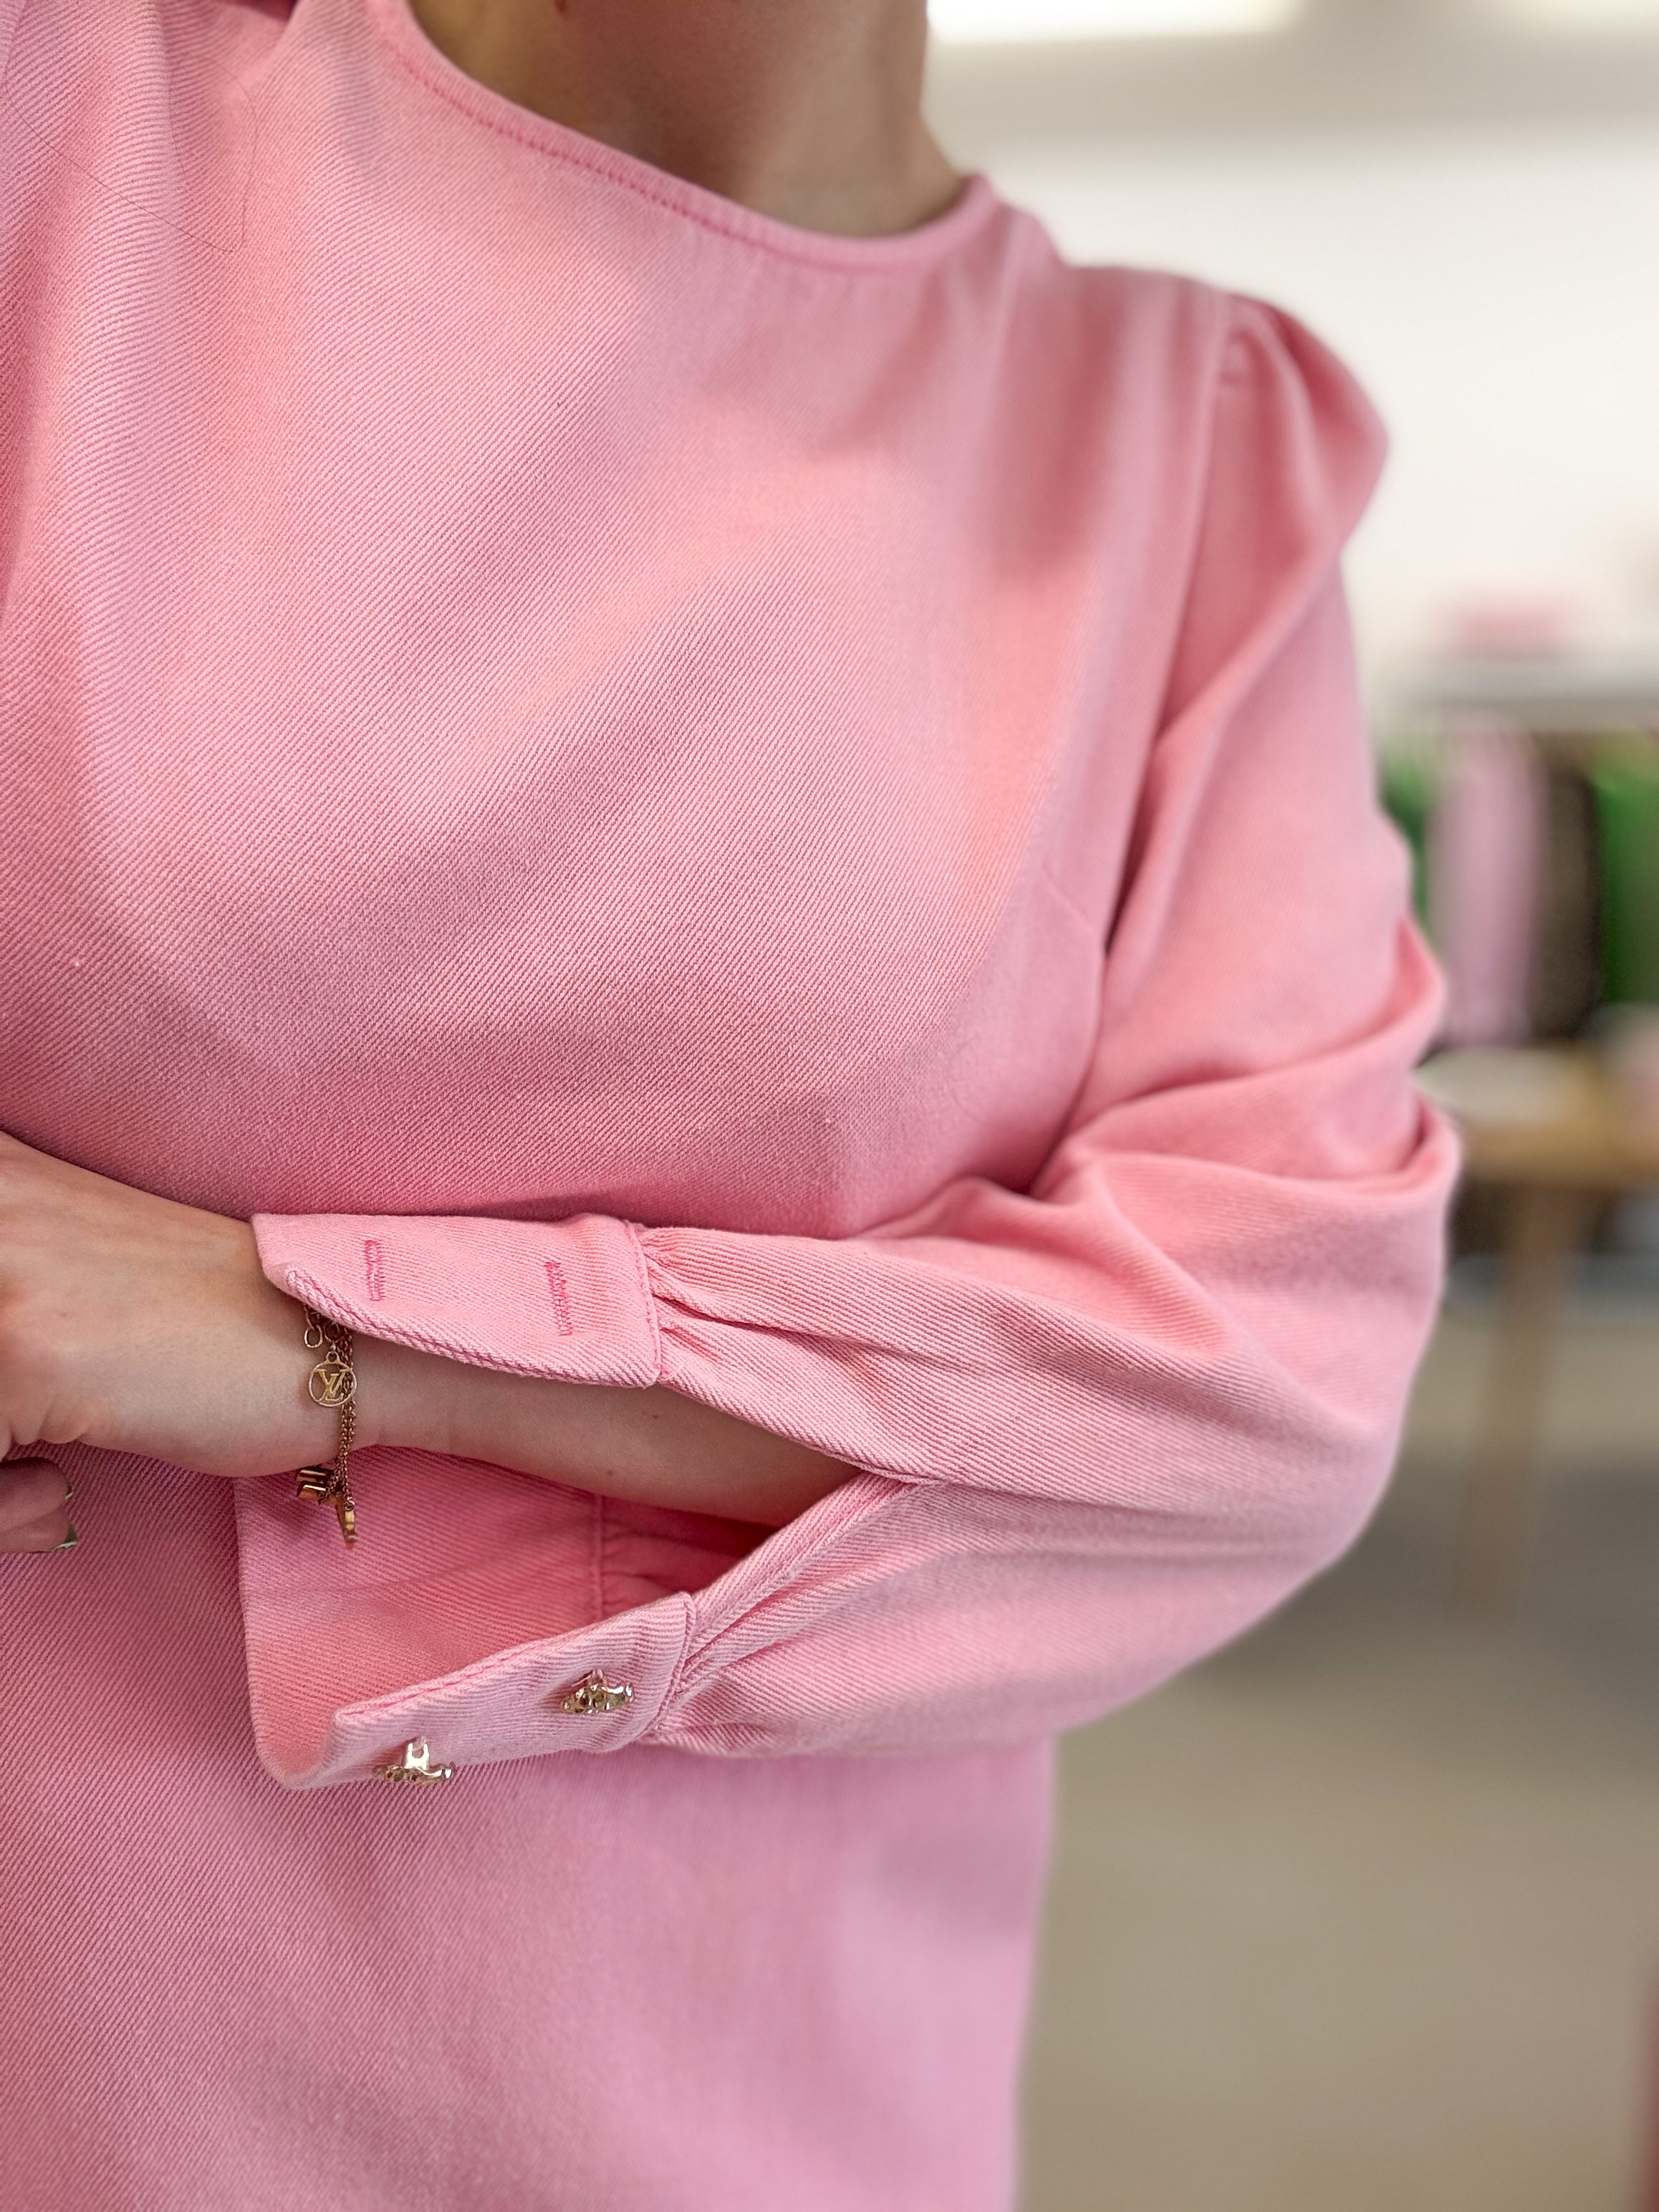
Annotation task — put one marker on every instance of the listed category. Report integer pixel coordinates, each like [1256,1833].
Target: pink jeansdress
[657,797]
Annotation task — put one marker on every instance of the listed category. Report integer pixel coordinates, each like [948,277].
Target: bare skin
[807,110]
[135,1324]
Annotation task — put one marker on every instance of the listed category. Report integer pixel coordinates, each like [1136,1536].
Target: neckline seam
[901,253]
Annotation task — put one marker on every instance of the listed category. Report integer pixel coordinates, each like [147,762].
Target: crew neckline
[927,243]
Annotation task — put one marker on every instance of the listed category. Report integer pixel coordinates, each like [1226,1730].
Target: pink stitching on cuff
[373,1279]
[555,1284]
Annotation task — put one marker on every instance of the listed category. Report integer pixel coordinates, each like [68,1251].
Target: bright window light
[1007,22]
[1584,14]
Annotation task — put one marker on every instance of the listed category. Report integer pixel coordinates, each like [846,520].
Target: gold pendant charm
[324,1486]
[332,1382]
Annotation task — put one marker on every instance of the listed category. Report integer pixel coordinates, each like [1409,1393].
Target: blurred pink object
[1486,854]
[1503,626]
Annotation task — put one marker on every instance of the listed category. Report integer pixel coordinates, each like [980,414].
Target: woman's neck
[808,110]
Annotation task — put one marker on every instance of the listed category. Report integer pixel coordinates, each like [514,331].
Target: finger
[35,1498]
[55,1535]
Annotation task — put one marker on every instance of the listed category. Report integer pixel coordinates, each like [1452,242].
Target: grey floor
[1363,1915]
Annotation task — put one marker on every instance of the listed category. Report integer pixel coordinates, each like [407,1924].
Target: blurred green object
[1626,787]
[1406,785]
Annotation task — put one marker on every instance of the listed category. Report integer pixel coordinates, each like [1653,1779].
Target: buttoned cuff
[595,1689]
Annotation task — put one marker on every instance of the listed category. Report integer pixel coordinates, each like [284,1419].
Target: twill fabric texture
[656,798]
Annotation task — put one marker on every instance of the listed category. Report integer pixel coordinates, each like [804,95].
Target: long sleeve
[1109,1420]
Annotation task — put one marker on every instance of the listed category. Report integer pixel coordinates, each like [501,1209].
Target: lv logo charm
[331,1381]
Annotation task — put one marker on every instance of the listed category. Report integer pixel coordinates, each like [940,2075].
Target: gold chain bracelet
[332,1382]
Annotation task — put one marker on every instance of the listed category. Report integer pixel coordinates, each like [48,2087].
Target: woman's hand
[132,1323]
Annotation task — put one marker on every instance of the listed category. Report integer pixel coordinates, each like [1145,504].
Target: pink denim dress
[657,798]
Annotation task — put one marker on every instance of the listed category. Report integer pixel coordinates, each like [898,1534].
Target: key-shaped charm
[324,1485]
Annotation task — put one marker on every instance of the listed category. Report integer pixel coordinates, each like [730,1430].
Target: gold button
[414,1765]
[593,1694]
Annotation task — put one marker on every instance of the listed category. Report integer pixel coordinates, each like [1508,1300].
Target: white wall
[1498,293]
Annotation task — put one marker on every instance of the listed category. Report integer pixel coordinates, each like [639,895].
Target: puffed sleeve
[1106,1422]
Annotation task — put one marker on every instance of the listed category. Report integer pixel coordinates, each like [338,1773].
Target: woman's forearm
[653,1446]
[136,1324]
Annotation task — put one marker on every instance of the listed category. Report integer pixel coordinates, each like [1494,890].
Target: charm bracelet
[332,1382]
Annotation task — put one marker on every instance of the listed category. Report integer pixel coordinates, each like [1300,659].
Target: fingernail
[69,1542]
[67,1493]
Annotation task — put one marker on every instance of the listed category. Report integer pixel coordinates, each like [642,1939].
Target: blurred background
[1363,1914]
